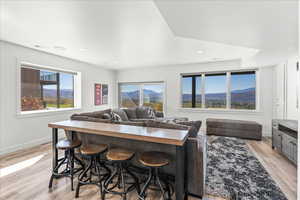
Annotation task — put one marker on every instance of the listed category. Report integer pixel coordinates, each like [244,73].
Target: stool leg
[150,177]
[77,160]
[71,158]
[98,170]
[80,177]
[159,184]
[136,180]
[123,182]
[55,170]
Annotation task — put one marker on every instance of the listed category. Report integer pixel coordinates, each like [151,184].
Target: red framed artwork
[101,94]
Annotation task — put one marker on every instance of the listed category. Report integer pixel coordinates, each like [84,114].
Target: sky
[217,84]
[66,81]
[154,87]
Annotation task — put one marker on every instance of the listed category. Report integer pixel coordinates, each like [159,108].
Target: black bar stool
[68,160]
[155,160]
[93,153]
[120,158]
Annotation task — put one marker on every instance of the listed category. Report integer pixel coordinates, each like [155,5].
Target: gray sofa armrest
[139,120]
[90,119]
[196,165]
[130,123]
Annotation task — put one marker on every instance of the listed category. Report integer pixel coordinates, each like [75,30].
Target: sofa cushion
[106,116]
[96,114]
[131,113]
[90,119]
[145,113]
[119,115]
[159,124]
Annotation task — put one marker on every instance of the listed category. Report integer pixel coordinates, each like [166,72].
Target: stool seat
[119,154]
[92,149]
[68,144]
[154,159]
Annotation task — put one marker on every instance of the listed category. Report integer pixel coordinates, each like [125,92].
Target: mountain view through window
[214,89]
[46,90]
[146,94]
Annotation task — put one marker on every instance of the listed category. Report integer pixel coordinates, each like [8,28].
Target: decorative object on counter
[232,172]
[234,128]
[284,138]
[101,94]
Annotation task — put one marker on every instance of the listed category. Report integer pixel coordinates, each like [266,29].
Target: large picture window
[46,89]
[225,90]
[215,90]
[243,90]
[141,94]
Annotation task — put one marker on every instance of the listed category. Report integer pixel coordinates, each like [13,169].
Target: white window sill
[38,113]
[217,111]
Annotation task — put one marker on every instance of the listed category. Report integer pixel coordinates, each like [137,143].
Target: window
[243,91]
[130,95]
[191,85]
[215,90]
[138,94]
[46,89]
[187,92]
[225,90]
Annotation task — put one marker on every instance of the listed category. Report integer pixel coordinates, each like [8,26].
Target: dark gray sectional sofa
[145,116]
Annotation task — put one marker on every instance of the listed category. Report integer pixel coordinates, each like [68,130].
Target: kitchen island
[134,137]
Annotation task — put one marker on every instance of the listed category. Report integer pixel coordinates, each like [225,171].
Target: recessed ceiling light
[82,49]
[39,46]
[200,52]
[217,58]
[61,48]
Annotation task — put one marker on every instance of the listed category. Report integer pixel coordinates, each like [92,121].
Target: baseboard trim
[33,143]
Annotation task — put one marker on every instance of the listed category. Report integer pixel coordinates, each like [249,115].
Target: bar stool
[155,160]
[68,146]
[93,153]
[120,158]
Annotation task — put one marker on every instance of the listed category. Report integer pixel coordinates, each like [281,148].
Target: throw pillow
[115,117]
[121,113]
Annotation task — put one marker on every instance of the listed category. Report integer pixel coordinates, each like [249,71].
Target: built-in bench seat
[234,128]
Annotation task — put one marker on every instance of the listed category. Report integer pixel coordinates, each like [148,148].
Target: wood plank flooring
[33,168]
[281,169]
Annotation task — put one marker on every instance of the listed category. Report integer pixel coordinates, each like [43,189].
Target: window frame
[141,86]
[76,89]
[228,91]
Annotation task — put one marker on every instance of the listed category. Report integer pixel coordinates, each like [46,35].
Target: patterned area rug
[233,172]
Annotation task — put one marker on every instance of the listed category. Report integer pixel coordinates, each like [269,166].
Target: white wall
[171,76]
[292,88]
[285,89]
[18,131]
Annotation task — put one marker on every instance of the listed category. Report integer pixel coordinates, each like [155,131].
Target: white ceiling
[268,25]
[126,34]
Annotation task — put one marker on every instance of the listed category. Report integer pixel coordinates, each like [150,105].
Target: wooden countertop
[148,134]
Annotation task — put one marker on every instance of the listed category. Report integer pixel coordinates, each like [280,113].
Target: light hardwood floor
[31,181]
